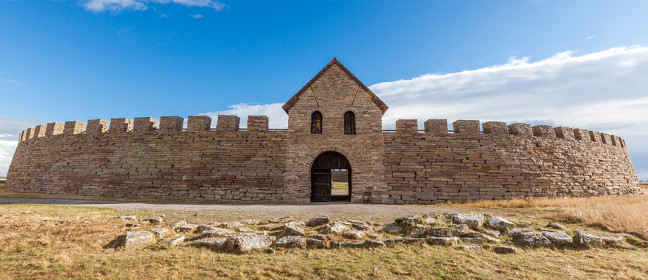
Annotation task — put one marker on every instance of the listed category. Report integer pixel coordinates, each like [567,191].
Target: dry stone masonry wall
[144,158]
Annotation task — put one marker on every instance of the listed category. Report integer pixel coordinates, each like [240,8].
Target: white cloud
[10,81]
[590,37]
[118,5]
[277,118]
[10,129]
[196,16]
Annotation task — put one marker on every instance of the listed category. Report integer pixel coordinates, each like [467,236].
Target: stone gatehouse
[334,127]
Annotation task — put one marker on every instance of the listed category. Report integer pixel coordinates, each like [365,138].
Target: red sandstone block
[171,123]
[257,123]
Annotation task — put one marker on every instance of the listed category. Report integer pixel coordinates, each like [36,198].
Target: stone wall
[143,162]
[541,161]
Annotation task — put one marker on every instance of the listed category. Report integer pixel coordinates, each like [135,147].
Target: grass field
[55,242]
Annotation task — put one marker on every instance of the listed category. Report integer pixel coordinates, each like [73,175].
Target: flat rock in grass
[430,221]
[524,224]
[203,228]
[473,247]
[217,232]
[441,231]
[353,234]
[360,225]
[187,228]
[492,232]
[293,241]
[556,226]
[503,249]
[339,227]
[234,225]
[271,227]
[472,240]
[558,237]
[392,228]
[178,224]
[412,240]
[293,228]
[317,221]
[314,243]
[248,242]
[350,244]
[137,239]
[211,243]
[491,239]
[589,240]
[153,220]
[446,241]
[460,230]
[374,243]
[533,240]
[251,222]
[127,218]
[321,237]
[159,232]
[473,221]
[245,229]
[175,241]
[518,232]
[500,223]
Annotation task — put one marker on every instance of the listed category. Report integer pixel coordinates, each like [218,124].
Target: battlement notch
[98,126]
[436,126]
[120,125]
[171,123]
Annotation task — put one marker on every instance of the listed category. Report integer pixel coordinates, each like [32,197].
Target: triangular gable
[383,107]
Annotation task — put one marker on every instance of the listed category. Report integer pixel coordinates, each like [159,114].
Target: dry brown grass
[62,242]
[625,213]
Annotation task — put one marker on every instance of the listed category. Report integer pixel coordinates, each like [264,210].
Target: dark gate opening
[327,178]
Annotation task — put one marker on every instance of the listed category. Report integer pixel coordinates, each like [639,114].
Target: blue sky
[87,59]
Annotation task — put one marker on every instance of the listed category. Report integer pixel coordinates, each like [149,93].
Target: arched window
[349,123]
[316,123]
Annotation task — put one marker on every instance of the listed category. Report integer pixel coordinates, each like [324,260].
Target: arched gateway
[328,182]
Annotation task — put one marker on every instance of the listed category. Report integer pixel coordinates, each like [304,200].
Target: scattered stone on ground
[178,224]
[500,223]
[339,227]
[473,247]
[175,241]
[503,249]
[392,228]
[353,234]
[127,218]
[447,241]
[211,243]
[317,221]
[137,239]
[159,232]
[189,228]
[217,232]
[251,222]
[555,225]
[473,221]
[248,242]
[153,220]
[292,241]
[589,240]
[558,237]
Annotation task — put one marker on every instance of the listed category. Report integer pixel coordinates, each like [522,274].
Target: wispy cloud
[590,37]
[196,16]
[10,81]
[139,5]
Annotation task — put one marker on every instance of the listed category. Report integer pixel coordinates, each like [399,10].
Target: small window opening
[316,123]
[349,123]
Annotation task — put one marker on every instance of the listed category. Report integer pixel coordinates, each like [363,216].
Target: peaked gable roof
[383,107]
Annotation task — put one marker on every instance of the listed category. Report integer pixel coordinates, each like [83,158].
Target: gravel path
[310,209]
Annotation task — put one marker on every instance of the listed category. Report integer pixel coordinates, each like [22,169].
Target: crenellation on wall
[30,133]
[54,128]
[120,125]
[145,124]
[407,126]
[73,127]
[521,129]
[171,123]
[566,133]
[595,136]
[545,131]
[21,136]
[436,127]
[197,123]
[495,128]
[39,131]
[581,134]
[257,124]
[228,123]
[466,127]
[605,138]
[97,126]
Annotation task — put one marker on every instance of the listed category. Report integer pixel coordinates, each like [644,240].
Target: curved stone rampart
[135,158]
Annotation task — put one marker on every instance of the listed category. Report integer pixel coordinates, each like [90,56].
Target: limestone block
[595,136]
[564,132]
[30,133]
[198,123]
[407,126]
[171,123]
[495,128]
[97,126]
[581,134]
[466,127]
[605,138]
[545,131]
[39,131]
[228,123]
[73,127]
[120,125]
[436,126]
[256,123]
[54,128]
[521,129]
[615,140]
[145,124]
